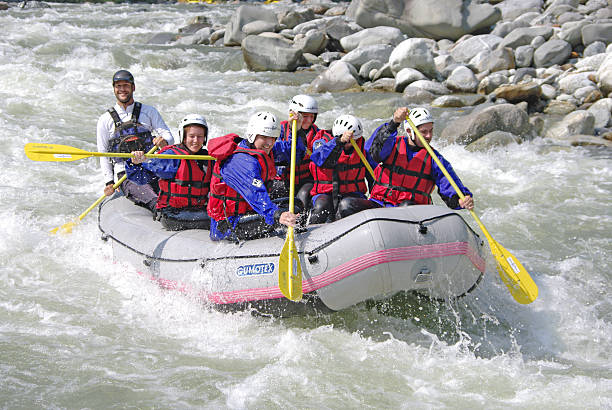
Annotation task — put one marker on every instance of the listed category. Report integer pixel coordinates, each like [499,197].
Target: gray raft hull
[373,254]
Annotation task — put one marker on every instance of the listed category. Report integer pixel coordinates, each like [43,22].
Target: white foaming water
[79,330]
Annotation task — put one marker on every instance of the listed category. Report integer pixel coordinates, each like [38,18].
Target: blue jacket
[242,172]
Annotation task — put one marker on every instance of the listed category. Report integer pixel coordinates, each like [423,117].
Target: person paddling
[240,206]
[126,127]
[304,109]
[183,183]
[339,174]
[407,174]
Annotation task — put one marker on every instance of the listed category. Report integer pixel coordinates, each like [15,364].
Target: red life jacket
[302,170]
[225,201]
[398,179]
[348,174]
[190,185]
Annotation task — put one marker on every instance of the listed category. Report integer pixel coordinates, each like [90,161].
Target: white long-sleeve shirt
[149,117]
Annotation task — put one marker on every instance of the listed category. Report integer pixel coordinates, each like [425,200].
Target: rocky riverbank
[526,67]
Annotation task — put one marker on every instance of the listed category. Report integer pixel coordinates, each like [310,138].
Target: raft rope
[421,223]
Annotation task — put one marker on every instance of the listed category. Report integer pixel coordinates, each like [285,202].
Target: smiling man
[129,126]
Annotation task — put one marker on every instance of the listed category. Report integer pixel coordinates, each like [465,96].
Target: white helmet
[262,123]
[304,103]
[418,116]
[192,119]
[347,123]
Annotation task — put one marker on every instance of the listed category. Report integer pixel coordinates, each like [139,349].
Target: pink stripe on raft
[354,266]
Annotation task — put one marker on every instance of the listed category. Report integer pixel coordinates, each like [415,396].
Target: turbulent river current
[78,330]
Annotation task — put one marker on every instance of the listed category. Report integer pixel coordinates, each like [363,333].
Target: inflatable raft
[373,254]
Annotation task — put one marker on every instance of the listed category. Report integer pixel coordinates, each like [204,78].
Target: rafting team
[243,193]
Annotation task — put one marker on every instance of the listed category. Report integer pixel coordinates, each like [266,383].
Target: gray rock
[217,35]
[465,50]
[413,53]
[406,76]
[569,83]
[556,107]
[376,35]
[549,92]
[383,72]
[291,18]
[329,56]
[552,52]
[526,73]
[492,140]
[501,117]
[339,27]
[523,56]
[362,55]
[244,15]
[414,95]
[258,26]
[448,101]
[162,38]
[514,93]
[423,18]
[583,93]
[569,16]
[442,62]
[382,84]
[537,42]
[431,86]
[364,71]
[313,42]
[591,63]
[577,122]
[579,140]
[601,112]
[501,59]
[336,11]
[597,47]
[511,9]
[262,53]
[572,32]
[462,80]
[491,82]
[523,36]
[604,73]
[340,76]
[597,32]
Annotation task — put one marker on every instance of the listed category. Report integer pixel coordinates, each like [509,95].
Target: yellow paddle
[363,158]
[289,267]
[67,227]
[520,284]
[66,153]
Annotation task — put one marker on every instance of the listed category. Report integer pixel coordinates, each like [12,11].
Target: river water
[78,330]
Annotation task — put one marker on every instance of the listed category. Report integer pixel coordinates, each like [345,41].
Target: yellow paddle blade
[290,269]
[54,152]
[65,228]
[520,284]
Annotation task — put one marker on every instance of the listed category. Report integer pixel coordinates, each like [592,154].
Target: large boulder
[597,32]
[413,53]
[425,18]
[462,80]
[339,76]
[376,35]
[465,50]
[501,117]
[523,36]
[552,52]
[362,55]
[604,73]
[577,122]
[246,14]
[263,53]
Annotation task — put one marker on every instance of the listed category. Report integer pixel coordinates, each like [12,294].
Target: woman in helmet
[240,206]
[339,174]
[183,183]
[304,109]
[407,174]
